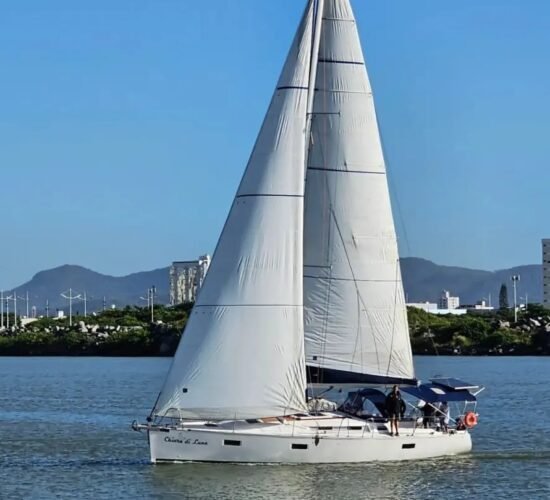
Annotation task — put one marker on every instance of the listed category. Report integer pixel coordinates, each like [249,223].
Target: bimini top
[434,393]
[454,384]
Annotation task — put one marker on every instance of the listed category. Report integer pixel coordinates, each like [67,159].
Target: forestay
[242,354]
[355,317]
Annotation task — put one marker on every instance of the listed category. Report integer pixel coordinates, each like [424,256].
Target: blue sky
[125,126]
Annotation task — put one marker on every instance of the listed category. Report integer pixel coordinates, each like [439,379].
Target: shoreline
[129,332]
[148,353]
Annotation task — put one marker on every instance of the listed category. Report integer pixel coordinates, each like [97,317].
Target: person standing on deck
[444,416]
[395,406]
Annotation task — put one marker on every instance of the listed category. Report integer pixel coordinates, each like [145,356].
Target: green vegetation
[475,334]
[129,332]
[119,332]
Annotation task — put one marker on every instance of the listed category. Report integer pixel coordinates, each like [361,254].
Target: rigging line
[332,214]
[393,187]
[151,414]
[360,298]
[433,342]
[393,317]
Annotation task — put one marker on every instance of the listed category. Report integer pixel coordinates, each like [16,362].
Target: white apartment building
[430,307]
[546,272]
[447,301]
[186,278]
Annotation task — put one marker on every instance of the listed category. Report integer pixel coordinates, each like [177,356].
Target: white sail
[242,353]
[355,317]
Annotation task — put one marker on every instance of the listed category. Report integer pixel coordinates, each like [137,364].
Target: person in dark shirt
[428,412]
[395,407]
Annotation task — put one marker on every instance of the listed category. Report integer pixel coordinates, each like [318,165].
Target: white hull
[343,441]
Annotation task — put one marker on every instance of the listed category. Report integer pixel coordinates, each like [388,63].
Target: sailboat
[303,302]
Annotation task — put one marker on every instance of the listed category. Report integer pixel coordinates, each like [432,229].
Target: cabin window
[408,446]
[231,442]
[356,428]
[299,446]
[326,428]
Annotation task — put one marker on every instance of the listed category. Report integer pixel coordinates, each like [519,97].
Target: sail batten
[354,311]
[242,352]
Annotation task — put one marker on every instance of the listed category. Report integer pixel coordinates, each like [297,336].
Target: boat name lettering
[168,439]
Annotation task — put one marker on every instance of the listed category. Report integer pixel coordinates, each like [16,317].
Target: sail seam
[351,279]
[338,19]
[269,195]
[343,91]
[346,171]
[335,61]
[246,305]
[291,87]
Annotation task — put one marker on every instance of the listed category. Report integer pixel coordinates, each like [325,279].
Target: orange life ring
[470,419]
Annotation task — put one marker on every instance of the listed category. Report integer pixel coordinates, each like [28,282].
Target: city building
[546,272]
[480,307]
[447,301]
[430,307]
[186,278]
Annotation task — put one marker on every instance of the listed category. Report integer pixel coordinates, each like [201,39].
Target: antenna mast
[70,297]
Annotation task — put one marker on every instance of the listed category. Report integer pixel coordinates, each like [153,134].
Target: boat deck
[324,424]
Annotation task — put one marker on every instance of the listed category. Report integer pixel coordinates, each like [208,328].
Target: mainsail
[242,354]
[356,327]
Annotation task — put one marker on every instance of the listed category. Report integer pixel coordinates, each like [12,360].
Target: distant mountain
[48,285]
[423,281]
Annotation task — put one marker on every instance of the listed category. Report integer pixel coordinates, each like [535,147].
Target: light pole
[26,299]
[153,290]
[15,309]
[7,313]
[526,299]
[515,278]
[85,300]
[70,297]
[7,298]
[147,299]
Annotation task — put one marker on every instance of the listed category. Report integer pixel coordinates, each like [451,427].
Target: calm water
[64,433]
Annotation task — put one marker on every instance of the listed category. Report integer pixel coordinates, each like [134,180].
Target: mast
[354,309]
[316,41]
[242,352]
